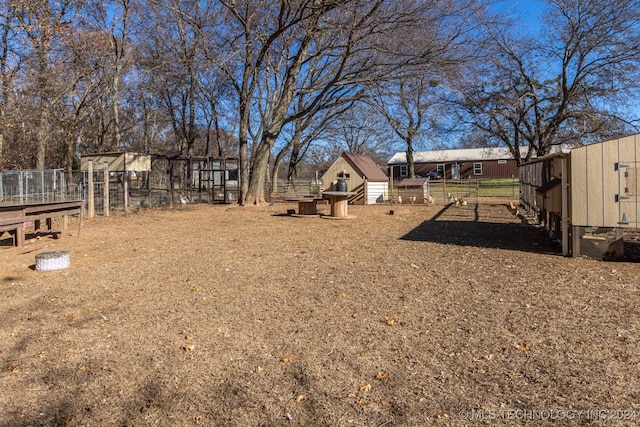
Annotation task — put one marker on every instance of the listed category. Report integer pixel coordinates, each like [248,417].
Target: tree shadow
[485,226]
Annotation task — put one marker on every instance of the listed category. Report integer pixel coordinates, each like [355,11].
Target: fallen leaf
[389,320]
[522,346]
[287,360]
[382,375]
[300,398]
[365,387]
[196,289]
[341,295]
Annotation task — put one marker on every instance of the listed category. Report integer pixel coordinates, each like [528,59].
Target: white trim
[477,165]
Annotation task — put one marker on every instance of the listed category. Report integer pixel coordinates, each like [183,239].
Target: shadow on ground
[484,226]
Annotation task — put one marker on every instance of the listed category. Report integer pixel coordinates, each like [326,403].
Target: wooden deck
[15,219]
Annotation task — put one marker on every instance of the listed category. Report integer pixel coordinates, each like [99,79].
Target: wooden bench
[307,205]
[13,222]
[15,219]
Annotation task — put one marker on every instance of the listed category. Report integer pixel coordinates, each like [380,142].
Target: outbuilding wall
[605,187]
[376,192]
[341,164]
[119,162]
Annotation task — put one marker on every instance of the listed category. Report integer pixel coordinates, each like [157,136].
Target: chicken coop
[362,177]
[413,190]
[113,178]
[587,197]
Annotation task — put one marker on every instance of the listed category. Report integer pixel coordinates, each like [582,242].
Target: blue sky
[528,10]
[531,12]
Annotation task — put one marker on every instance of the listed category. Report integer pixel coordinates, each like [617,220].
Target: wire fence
[39,186]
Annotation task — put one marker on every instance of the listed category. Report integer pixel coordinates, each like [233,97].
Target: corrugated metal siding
[491,169]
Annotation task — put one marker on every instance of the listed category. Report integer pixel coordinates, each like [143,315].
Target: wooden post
[565,206]
[90,196]
[105,175]
[576,232]
[391,193]
[125,188]
[366,191]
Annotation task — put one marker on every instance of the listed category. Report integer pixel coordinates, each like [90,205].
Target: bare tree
[7,70]
[361,130]
[569,85]
[353,40]
[42,21]
[172,59]
[407,107]
[114,18]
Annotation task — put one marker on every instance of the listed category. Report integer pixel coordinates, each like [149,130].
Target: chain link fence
[40,186]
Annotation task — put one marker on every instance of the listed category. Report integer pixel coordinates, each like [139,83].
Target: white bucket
[53,260]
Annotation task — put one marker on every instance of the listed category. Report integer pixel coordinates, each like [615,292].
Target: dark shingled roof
[412,182]
[366,166]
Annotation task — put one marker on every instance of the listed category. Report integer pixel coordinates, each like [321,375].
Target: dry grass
[234,316]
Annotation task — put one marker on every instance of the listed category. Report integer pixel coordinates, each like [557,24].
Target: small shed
[118,161]
[362,176]
[586,196]
[124,171]
[413,190]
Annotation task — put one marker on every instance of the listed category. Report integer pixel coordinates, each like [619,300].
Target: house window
[403,171]
[502,162]
[477,168]
[440,169]
[343,175]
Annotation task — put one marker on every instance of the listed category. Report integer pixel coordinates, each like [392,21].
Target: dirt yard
[228,316]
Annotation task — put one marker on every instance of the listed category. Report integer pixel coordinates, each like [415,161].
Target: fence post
[105,174]
[90,200]
[125,189]
[365,191]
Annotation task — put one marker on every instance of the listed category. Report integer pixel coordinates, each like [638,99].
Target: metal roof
[458,155]
[366,166]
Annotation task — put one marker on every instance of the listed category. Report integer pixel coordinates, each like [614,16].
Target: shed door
[376,192]
[455,171]
[628,197]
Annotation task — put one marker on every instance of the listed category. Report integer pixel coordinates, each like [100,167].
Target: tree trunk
[255,194]
[411,172]
[116,111]
[43,137]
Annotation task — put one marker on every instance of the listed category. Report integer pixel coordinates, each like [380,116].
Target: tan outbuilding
[586,196]
[361,175]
